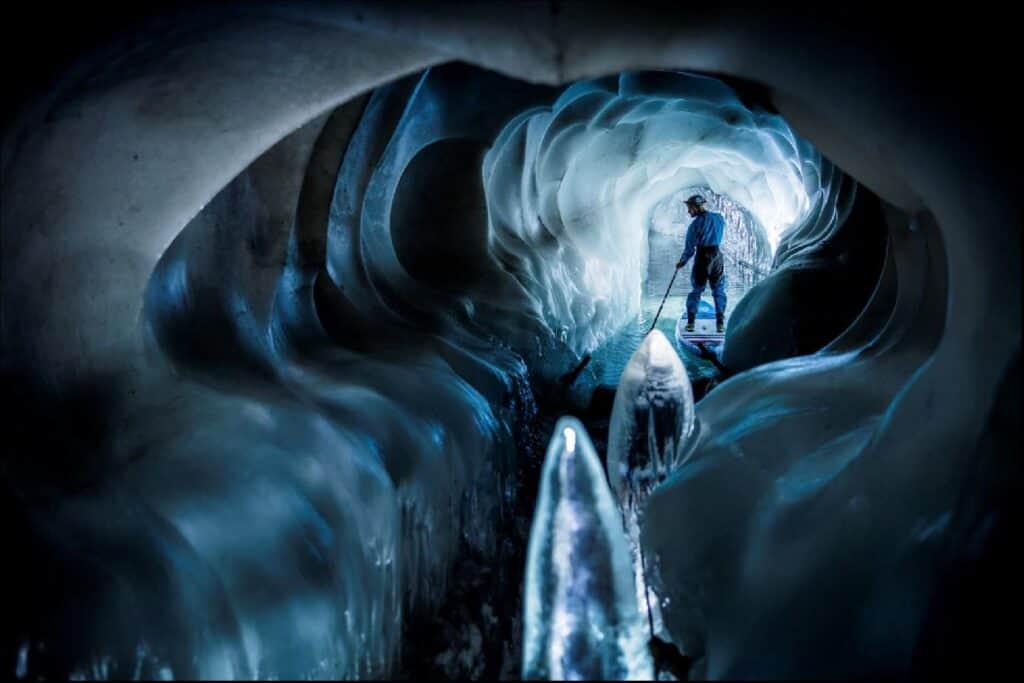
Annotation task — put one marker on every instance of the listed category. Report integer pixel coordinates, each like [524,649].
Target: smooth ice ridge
[571,187]
[580,619]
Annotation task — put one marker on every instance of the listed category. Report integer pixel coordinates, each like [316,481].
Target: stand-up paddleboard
[704,332]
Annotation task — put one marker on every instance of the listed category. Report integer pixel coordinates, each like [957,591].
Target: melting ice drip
[581,619]
[651,432]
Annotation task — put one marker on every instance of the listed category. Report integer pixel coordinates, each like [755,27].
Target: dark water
[665,249]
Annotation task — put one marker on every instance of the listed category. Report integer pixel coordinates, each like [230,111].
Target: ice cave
[346,340]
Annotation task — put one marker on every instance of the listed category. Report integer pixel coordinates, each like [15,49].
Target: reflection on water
[665,249]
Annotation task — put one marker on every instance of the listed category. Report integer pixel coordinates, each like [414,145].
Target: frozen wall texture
[253,424]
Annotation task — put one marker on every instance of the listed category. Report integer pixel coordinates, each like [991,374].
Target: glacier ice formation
[252,426]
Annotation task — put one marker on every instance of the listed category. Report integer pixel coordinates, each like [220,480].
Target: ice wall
[822,534]
[300,472]
[820,280]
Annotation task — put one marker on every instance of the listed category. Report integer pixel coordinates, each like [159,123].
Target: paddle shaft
[663,300]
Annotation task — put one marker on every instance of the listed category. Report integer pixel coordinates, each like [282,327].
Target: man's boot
[689,324]
[721,326]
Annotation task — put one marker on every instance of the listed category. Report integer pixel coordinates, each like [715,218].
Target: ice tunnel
[289,291]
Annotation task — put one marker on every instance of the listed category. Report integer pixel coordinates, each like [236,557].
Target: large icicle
[581,619]
[651,428]
[652,419]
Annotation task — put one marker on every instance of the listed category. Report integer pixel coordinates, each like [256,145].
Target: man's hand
[680,264]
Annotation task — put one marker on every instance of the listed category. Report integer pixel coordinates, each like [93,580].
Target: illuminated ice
[652,420]
[571,189]
[651,429]
[581,619]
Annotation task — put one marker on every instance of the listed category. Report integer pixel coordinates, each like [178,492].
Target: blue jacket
[705,231]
